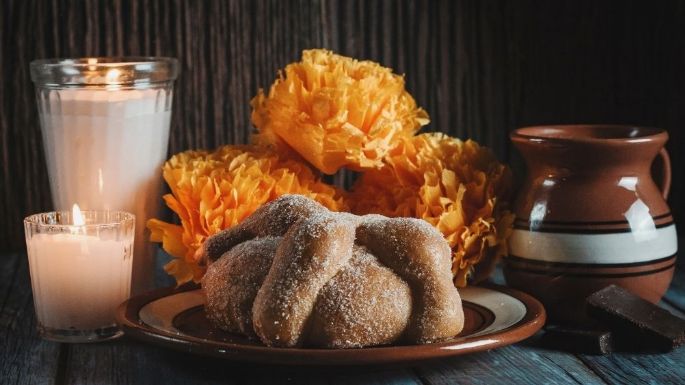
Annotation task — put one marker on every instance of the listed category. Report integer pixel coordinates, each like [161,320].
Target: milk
[104,150]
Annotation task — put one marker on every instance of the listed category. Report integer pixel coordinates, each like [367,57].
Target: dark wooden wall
[480,68]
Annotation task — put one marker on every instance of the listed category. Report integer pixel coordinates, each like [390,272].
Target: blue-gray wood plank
[26,359]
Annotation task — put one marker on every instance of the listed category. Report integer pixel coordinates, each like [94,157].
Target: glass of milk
[105,128]
[80,264]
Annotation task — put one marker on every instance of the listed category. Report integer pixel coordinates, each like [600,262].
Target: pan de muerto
[296,274]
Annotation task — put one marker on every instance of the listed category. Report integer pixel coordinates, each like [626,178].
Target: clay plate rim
[129,321]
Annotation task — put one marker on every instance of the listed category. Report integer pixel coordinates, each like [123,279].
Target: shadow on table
[210,369]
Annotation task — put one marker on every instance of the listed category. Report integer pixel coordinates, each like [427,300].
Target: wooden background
[480,68]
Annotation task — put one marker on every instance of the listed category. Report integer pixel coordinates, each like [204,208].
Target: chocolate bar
[644,325]
[583,341]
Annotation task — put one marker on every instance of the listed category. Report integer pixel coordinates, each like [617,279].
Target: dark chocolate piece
[583,341]
[643,324]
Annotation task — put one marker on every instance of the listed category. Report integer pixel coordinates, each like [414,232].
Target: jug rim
[589,133]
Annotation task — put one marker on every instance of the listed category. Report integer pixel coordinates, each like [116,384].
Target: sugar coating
[417,253]
[311,253]
[365,304]
[296,274]
[272,219]
[232,282]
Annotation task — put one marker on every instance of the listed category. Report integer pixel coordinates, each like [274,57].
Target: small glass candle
[80,264]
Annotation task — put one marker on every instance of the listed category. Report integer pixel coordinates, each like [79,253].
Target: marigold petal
[168,234]
[458,187]
[336,112]
[212,191]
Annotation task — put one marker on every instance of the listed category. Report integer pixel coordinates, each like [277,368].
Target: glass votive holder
[80,264]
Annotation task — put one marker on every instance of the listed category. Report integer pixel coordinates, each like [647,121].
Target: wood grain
[131,362]
[480,68]
[639,368]
[25,359]
[508,365]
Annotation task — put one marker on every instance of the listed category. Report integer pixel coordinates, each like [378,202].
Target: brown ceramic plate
[495,316]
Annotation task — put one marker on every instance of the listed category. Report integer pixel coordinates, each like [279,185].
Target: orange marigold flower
[335,111]
[211,191]
[458,187]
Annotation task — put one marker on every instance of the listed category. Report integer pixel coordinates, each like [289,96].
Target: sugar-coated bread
[295,274]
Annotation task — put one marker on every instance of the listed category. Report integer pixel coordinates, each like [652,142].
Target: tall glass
[105,127]
[80,272]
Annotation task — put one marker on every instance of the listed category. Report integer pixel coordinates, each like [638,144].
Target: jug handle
[665,173]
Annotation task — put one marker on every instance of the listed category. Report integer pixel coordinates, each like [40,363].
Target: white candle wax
[104,150]
[78,280]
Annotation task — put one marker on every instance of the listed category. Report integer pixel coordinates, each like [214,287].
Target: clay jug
[589,214]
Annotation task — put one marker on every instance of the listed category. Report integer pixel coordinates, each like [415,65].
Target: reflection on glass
[638,216]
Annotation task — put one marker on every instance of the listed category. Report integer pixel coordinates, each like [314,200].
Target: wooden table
[26,359]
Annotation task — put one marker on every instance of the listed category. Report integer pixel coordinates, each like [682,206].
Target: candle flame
[101,182]
[91,64]
[77,216]
[113,75]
